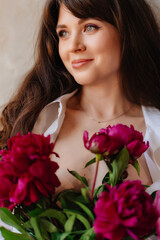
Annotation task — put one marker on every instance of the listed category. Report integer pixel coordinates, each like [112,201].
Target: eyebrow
[80,21]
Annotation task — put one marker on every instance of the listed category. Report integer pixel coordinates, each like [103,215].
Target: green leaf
[8,235]
[63,203]
[119,165]
[35,212]
[8,218]
[80,178]
[71,237]
[35,224]
[85,195]
[66,199]
[70,223]
[136,166]
[27,224]
[127,238]
[80,232]
[98,191]
[56,236]
[70,192]
[108,162]
[106,178]
[54,214]
[64,235]
[43,226]
[84,221]
[44,233]
[85,209]
[90,162]
[79,216]
[61,236]
[64,193]
[49,226]
[88,235]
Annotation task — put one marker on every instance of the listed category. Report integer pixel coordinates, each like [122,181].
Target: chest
[73,155]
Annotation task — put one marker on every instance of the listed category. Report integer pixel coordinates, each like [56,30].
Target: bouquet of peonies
[117,209]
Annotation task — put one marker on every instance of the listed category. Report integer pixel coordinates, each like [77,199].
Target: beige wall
[156,8]
[19,22]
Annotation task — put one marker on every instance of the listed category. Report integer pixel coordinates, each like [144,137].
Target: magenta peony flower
[121,135]
[157,206]
[127,210]
[27,168]
[113,139]
[98,142]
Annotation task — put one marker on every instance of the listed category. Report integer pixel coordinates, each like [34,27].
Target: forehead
[65,15]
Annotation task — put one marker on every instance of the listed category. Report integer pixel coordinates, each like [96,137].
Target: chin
[85,78]
[84,82]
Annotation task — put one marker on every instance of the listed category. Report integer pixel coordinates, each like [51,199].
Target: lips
[77,63]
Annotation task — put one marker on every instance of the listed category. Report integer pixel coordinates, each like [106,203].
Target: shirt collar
[63,99]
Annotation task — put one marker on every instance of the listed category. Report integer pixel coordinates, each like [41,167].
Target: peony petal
[157,202]
[33,193]
[117,234]
[158,228]
[55,181]
[7,169]
[136,148]
[130,222]
[53,167]
[85,136]
[19,191]
[98,143]
[5,188]
[41,188]
[37,169]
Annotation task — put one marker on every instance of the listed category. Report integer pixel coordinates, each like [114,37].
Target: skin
[79,39]
[96,46]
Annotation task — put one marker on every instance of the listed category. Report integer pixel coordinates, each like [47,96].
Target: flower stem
[98,158]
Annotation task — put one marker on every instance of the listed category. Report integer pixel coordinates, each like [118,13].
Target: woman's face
[89,48]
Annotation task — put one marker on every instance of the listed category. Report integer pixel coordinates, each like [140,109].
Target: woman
[108,52]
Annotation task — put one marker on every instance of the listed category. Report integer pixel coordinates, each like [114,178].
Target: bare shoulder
[136,111]
[136,118]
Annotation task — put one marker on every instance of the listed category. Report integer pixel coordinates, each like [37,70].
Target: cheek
[64,57]
[110,43]
[110,50]
[62,52]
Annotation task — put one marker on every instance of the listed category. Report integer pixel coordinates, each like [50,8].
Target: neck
[103,104]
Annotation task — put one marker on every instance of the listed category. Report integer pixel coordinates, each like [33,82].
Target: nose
[77,44]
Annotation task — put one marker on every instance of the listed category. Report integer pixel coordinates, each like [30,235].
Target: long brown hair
[49,79]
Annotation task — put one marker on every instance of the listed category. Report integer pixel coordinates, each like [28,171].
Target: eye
[62,34]
[90,28]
